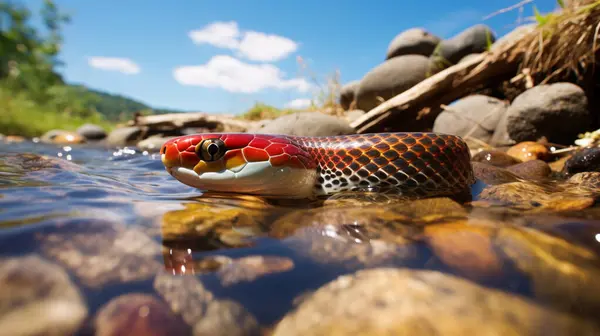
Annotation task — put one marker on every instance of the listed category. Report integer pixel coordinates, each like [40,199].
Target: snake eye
[210,149]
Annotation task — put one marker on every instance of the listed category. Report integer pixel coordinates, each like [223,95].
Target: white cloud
[264,47]
[299,103]
[123,65]
[231,74]
[218,34]
[252,45]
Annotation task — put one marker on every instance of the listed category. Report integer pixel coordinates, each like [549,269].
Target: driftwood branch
[423,101]
[192,120]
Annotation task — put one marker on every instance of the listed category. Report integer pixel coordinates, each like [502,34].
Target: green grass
[262,111]
[21,116]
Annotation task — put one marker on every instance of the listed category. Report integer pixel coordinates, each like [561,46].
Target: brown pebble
[495,158]
[68,138]
[528,151]
[586,180]
[531,170]
[466,248]
[493,175]
[138,314]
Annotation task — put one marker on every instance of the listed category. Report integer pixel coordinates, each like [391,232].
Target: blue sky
[222,56]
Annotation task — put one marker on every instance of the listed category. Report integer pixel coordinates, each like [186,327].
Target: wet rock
[414,41]
[91,132]
[181,261]
[558,112]
[153,143]
[475,115]
[215,226]
[200,309]
[38,298]
[307,124]
[100,253]
[562,275]
[529,150]
[495,158]
[473,40]
[493,175]
[558,165]
[585,160]
[62,137]
[13,139]
[586,180]
[389,301]
[138,314]
[531,170]
[528,196]
[251,268]
[348,93]
[125,136]
[467,247]
[389,79]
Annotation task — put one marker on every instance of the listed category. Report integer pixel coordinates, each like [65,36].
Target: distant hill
[119,108]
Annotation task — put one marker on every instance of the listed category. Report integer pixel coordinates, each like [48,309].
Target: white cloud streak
[122,65]
[299,103]
[233,75]
[252,45]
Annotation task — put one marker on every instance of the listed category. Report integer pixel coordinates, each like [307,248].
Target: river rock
[531,170]
[125,136]
[387,301]
[138,314]
[529,151]
[585,160]
[348,93]
[62,137]
[153,143]
[586,179]
[495,158]
[91,132]
[389,79]
[414,41]
[473,40]
[307,124]
[477,115]
[38,298]
[558,112]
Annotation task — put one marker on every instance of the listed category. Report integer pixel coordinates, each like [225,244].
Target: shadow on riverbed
[99,241]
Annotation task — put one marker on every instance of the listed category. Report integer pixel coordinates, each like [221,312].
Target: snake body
[422,164]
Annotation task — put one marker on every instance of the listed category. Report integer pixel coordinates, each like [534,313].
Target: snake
[410,163]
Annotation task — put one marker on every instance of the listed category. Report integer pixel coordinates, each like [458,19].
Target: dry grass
[565,44]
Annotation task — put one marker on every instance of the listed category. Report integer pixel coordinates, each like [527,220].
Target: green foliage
[263,111]
[120,108]
[22,116]
[561,3]
[33,96]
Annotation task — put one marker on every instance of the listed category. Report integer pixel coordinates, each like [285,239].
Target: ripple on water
[132,238]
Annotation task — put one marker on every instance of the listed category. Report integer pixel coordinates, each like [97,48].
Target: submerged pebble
[495,158]
[529,150]
[388,301]
[531,170]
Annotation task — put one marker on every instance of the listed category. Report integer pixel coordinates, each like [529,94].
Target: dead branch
[192,120]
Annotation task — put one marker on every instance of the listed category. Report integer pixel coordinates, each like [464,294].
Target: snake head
[266,165]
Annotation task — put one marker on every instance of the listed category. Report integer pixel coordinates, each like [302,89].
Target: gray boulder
[307,124]
[473,40]
[557,111]
[477,115]
[389,79]
[125,136]
[348,93]
[414,41]
[91,132]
